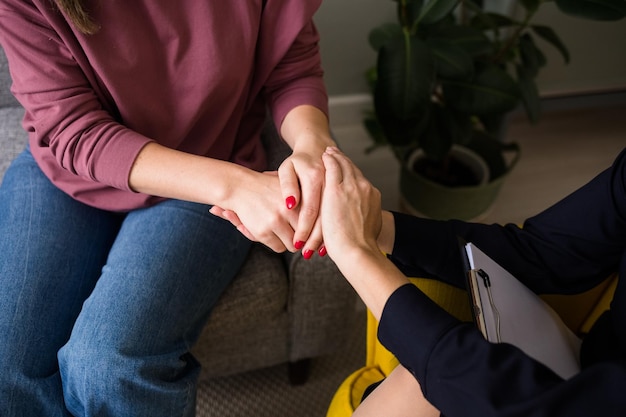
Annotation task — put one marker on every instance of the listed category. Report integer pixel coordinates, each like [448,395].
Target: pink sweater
[193,75]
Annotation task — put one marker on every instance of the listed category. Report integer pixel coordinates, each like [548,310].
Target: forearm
[372,276]
[169,173]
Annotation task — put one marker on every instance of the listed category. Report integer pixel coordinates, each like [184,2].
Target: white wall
[597,48]
[344,26]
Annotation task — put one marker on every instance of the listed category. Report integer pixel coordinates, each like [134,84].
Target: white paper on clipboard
[507,311]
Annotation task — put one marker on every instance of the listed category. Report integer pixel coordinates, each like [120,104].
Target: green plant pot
[423,197]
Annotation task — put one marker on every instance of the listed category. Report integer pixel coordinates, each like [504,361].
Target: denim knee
[100,378]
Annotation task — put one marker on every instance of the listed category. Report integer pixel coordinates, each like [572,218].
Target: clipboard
[506,311]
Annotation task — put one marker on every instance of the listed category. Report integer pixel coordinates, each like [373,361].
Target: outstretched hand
[351,207]
[258,214]
[352,222]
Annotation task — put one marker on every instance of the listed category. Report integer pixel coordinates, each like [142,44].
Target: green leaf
[492,90]
[532,59]
[409,11]
[371,77]
[459,125]
[452,61]
[530,95]
[531,5]
[494,124]
[471,40]
[375,131]
[435,10]
[382,34]
[400,132]
[491,21]
[406,73]
[594,9]
[548,34]
[492,151]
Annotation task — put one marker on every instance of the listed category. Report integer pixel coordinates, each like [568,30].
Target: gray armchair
[280,308]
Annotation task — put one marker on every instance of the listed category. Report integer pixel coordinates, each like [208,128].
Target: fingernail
[290,202]
[307,254]
[322,251]
[299,244]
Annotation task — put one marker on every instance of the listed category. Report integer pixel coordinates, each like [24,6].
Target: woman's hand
[351,224]
[250,200]
[256,211]
[301,180]
[351,212]
[301,175]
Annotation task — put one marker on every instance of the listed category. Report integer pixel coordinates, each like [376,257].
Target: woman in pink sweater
[141,115]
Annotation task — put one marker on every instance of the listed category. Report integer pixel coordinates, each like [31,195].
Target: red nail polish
[299,244]
[290,202]
[322,251]
[307,254]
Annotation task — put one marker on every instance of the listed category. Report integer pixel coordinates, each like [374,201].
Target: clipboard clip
[484,276]
[496,313]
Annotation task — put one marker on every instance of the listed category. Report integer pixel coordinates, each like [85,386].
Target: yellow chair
[579,312]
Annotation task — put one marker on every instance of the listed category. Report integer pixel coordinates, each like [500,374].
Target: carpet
[267,392]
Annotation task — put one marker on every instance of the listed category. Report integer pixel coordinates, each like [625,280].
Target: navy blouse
[567,249]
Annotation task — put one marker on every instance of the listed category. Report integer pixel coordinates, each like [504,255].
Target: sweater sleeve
[462,374]
[298,77]
[64,115]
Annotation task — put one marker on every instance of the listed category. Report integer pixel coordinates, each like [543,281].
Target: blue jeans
[98,310]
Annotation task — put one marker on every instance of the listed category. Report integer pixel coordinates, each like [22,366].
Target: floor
[267,392]
[561,153]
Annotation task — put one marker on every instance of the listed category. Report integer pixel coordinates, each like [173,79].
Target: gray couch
[279,309]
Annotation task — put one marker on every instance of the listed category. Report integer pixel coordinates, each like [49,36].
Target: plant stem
[512,40]
[402,14]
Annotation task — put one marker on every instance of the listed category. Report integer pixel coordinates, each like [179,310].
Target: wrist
[227,192]
[373,276]
[352,256]
[312,143]
[387,235]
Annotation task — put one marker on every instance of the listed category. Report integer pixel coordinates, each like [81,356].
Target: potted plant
[448,73]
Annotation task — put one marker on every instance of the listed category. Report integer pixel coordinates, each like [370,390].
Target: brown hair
[78,15]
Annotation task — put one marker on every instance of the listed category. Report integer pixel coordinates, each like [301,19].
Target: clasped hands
[328,208]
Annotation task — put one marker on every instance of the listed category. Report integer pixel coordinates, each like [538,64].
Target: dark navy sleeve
[463,375]
[568,248]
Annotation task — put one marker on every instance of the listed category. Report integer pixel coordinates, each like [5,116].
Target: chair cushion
[602,305]
[251,312]
[12,137]
[6,98]
[575,309]
[351,390]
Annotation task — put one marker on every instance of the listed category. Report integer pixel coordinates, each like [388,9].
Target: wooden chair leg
[299,371]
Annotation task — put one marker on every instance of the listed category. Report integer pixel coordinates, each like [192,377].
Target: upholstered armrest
[580,311]
[251,312]
[321,305]
[13,138]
